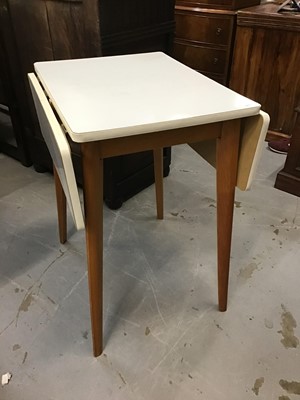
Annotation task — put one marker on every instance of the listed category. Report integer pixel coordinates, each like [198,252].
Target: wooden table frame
[227,135]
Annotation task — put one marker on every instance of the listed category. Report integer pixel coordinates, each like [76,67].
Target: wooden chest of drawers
[205,33]
[204,40]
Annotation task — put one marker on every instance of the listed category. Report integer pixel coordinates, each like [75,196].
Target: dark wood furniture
[288,179]
[266,62]
[205,34]
[11,130]
[38,30]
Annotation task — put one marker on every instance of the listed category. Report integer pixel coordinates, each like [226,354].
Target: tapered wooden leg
[61,205]
[227,161]
[93,202]
[159,184]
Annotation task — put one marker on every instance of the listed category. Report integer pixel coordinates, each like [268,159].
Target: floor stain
[284,221]
[52,301]
[257,385]
[283,398]
[24,306]
[16,347]
[218,326]
[174,214]
[190,376]
[17,290]
[85,334]
[122,378]
[195,308]
[238,204]
[290,387]
[247,272]
[209,200]
[288,323]
[147,330]
[268,323]
[25,356]
[276,231]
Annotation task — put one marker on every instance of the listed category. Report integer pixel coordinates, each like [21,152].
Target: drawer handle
[218,31]
[215,61]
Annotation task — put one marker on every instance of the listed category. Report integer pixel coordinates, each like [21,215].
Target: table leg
[159,184]
[93,204]
[227,162]
[61,207]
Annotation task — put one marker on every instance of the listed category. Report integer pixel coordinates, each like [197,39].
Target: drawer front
[203,28]
[201,58]
[219,4]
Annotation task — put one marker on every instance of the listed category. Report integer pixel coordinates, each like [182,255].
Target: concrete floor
[164,337]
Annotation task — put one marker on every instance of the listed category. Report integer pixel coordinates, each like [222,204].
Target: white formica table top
[109,97]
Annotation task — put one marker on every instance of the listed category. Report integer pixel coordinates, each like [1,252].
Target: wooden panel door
[40,30]
[266,63]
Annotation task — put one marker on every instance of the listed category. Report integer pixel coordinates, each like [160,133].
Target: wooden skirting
[288,183]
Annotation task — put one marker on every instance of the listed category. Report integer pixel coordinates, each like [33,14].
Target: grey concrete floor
[164,337]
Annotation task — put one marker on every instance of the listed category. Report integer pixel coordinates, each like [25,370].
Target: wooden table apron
[227,134]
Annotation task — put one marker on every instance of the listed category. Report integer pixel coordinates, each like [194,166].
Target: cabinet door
[41,30]
[12,138]
[51,29]
[265,68]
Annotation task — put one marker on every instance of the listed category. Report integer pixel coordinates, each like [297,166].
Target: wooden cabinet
[12,141]
[132,26]
[266,62]
[288,179]
[205,34]
[204,40]
[39,30]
